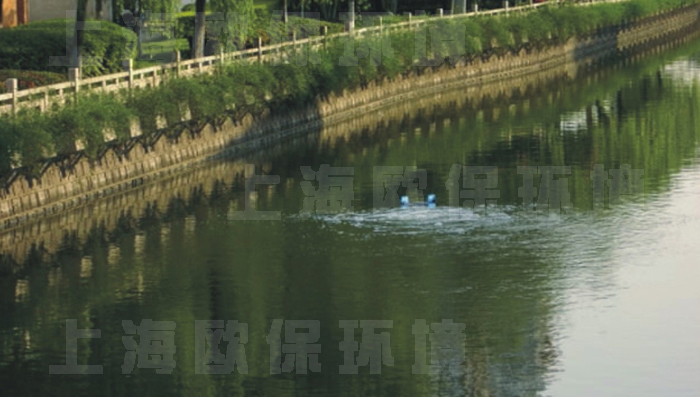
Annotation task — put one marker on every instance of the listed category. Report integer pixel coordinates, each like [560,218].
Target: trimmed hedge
[30,79]
[30,47]
[251,88]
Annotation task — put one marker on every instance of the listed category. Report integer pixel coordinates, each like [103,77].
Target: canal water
[591,292]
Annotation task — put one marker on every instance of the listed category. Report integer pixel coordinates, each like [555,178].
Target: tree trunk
[199,28]
[79,33]
[284,12]
[117,11]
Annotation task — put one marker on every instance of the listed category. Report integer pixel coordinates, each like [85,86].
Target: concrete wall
[76,182]
[56,9]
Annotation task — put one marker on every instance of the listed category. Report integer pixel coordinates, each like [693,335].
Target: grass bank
[239,89]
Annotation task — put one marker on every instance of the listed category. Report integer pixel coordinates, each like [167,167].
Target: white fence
[43,97]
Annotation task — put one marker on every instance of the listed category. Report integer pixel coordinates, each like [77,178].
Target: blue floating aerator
[405,201]
[431,200]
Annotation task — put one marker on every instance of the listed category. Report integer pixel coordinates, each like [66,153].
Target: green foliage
[137,6]
[148,105]
[188,8]
[9,143]
[23,140]
[242,88]
[637,9]
[86,120]
[473,44]
[539,27]
[36,140]
[30,47]
[261,24]
[30,79]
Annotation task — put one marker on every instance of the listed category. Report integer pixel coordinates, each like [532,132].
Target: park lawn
[164,46]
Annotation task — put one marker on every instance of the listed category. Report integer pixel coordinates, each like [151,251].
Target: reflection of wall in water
[56,191]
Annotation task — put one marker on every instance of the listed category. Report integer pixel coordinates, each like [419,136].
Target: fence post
[325,37]
[47,102]
[129,67]
[381,26]
[294,42]
[409,20]
[351,15]
[259,49]
[464,6]
[475,7]
[178,60]
[439,12]
[11,85]
[221,56]
[74,76]
[505,5]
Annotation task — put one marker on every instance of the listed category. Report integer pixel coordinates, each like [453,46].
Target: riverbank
[76,180]
[410,122]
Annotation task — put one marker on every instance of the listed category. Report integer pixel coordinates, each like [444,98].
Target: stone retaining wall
[76,181]
[153,196]
[49,232]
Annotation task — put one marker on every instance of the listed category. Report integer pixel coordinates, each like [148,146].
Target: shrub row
[31,47]
[250,88]
[261,26]
[30,79]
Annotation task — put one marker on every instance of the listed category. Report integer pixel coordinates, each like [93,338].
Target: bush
[9,139]
[24,140]
[30,79]
[262,26]
[496,33]
[30,47]
[474,40]
[86,120]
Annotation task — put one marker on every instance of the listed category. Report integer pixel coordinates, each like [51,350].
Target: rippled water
[590,301]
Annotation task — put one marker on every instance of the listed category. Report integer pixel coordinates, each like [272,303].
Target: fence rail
[43,97]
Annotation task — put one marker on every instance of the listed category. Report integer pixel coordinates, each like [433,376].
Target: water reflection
[507,273]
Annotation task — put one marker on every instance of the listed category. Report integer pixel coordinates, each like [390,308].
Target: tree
[235,11]
[199,28]
[136,7]
[79,32]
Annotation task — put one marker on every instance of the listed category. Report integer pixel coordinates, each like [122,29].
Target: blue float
[430,202]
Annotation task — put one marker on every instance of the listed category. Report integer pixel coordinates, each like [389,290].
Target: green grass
[165,46]
[146,63]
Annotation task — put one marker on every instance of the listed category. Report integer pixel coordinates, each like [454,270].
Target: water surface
[594,300]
